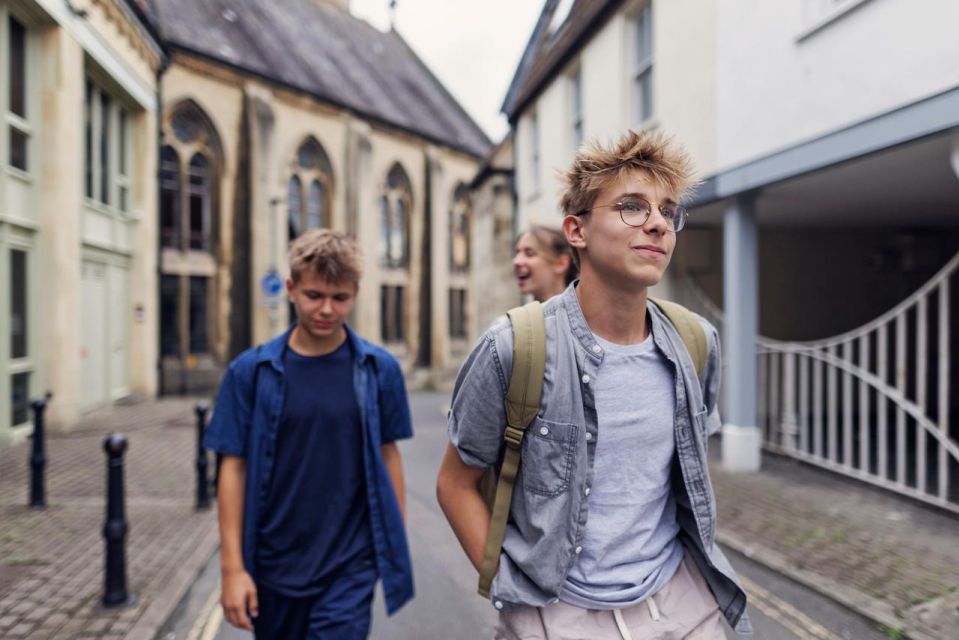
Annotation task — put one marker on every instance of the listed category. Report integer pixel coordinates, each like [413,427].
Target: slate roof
[548,52]
[327,53]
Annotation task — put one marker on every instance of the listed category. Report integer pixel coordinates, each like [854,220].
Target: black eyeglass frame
[681,211]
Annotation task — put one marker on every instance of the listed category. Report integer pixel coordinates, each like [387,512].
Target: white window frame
[22,123]
[25,364]
[576,108]
[534,153]
[642,66]
[122,172]
[119,178]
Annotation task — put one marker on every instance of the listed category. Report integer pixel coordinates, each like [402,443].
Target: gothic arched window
[396,206]
[190,164]
[460,230]
[315,208]
[395,220]
[311,170]
[199,189]
[294,206]
[170,198]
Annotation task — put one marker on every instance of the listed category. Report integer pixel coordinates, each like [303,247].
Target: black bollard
[202,483]
[115,528]
[38,458]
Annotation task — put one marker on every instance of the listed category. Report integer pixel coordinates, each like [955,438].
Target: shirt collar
[273,350]
[583,334]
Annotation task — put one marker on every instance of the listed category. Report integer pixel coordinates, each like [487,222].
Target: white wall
[780,84]
[684,90]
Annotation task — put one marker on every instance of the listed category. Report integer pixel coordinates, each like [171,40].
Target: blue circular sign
[272,283]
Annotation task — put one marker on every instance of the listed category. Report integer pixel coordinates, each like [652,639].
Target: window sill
[21,365]
[21,222]
[19,174]
[109,210]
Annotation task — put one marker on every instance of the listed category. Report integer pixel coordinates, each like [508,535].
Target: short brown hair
[553,241]
[330,254]
[651,153]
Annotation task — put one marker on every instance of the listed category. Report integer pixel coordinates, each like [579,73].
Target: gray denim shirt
[549,508]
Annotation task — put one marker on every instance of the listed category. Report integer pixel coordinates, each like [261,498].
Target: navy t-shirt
[315,523]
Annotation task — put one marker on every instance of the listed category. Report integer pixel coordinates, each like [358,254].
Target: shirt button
[597,348]
[585,379]
[589,436]
[578,550]
[587,491]
[543,431]
[498,604]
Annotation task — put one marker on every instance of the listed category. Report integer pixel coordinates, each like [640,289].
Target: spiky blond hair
[653,154]
[330,254]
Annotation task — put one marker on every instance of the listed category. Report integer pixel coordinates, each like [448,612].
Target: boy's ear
[574,228]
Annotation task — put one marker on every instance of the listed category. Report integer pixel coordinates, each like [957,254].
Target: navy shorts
[340,611]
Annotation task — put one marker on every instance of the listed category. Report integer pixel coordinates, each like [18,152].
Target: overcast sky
[472,47]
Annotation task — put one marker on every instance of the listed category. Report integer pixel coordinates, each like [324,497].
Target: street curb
[166,601]
[858,602]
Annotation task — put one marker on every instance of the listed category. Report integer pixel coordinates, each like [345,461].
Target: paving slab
[886,557]
[51,559]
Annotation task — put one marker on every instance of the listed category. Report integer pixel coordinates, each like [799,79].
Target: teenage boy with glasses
[611,532]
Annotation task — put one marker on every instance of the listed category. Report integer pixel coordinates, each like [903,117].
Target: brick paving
[51,560]
[886,556]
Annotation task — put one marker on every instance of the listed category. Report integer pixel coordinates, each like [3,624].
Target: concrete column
[267,213]
[144,316]
[741,436]
[60,214]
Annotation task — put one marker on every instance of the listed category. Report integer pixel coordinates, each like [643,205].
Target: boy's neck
[614,314]
[301,342]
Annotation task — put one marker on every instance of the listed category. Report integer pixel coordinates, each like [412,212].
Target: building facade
[77,207]
[824,235]
[157,163]
[343,127]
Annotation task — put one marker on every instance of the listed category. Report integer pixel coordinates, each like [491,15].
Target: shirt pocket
[548,449]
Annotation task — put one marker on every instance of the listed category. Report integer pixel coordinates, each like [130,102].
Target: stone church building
[283,116]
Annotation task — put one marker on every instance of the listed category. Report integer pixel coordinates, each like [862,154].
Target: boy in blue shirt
[310,491]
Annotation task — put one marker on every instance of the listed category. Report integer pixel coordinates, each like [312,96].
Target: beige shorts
[684,608]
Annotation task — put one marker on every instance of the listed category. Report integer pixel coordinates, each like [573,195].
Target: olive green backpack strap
[689,329]
[522,405]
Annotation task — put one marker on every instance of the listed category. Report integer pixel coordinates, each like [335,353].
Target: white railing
[872,403]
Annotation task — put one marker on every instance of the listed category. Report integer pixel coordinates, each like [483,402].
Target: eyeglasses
[635,212]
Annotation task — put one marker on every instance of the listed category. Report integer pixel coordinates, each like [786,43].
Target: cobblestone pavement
[883,555]
[51,560]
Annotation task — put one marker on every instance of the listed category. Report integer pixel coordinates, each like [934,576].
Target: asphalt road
[447,607]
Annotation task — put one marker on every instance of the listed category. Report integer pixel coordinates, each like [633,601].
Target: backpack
[522,404]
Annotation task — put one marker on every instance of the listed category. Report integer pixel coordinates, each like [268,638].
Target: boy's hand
[239,601]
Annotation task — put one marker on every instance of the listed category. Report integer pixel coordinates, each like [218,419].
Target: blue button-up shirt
[246,421]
